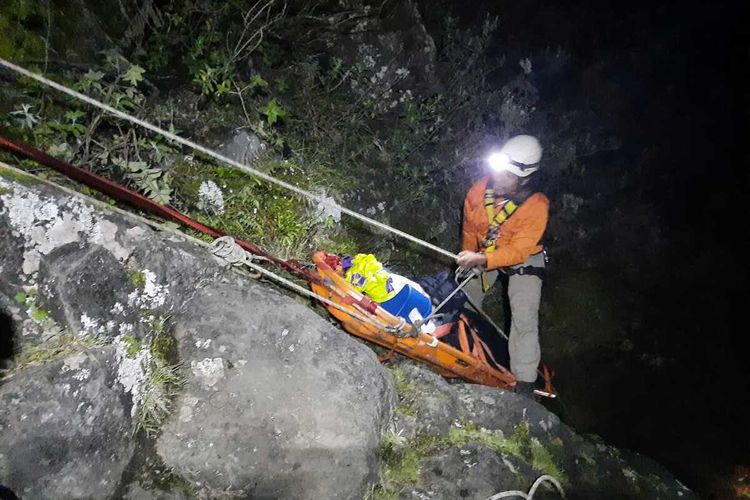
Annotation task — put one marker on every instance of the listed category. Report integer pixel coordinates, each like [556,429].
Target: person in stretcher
[396,294]
[414,300]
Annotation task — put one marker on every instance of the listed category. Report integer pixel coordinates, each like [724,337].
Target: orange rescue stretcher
[470,363]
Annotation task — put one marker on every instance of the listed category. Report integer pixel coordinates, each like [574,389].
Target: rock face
[275,401]
[270,408]
[470,441]
[243,147]
[64,428]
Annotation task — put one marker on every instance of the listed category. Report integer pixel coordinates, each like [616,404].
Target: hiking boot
[526,389]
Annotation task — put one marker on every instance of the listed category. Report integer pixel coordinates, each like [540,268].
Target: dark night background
[665,78]
[644,313]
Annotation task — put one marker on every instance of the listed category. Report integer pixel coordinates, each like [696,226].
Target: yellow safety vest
[368,276]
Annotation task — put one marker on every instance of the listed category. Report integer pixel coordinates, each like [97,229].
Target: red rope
[123,194]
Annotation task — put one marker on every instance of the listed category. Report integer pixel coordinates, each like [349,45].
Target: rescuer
[503,224]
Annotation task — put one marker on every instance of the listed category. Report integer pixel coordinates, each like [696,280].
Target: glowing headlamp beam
[498,161]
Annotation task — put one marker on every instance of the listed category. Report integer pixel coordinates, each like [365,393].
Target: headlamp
[498,161]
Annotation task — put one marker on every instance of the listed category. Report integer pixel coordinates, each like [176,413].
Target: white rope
[227,249]
[304,291]
[476,272]
[220,157]
[530,495]
[448,298]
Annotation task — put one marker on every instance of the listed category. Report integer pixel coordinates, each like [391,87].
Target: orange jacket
[519,235]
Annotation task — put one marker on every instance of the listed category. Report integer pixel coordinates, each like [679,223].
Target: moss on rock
[402,459]
[543,461]
[57,347]
[133,346]
[137,278]
[470,433]
[406,390]
[19,41]
[16,175]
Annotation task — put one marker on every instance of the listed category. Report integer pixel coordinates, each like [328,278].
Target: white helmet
[520,155]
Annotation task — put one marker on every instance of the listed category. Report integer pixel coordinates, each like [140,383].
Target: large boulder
[279,404]
[487,440]
[65,428]
[275,401]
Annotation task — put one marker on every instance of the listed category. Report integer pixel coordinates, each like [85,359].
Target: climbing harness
[507,208]
[526,271]
[539,271]
[224,159]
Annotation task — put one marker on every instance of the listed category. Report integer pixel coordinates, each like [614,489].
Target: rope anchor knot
[229,251]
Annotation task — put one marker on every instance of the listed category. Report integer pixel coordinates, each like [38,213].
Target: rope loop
[400,330]
[229,251]
[530,495]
